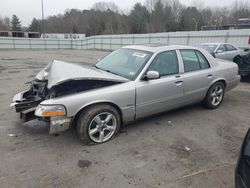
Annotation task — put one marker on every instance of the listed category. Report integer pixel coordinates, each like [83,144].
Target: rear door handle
[178,83]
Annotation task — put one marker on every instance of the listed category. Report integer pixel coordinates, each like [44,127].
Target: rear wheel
[98,124]
[214,95]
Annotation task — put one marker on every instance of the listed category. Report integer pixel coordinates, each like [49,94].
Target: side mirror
[219,51]
[151,75]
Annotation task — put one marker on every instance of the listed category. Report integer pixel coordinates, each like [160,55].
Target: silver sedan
[223,51]
[128,84]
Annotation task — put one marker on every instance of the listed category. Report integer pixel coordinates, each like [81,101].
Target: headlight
[50,110]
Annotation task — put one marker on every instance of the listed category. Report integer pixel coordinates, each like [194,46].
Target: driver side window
[165,63]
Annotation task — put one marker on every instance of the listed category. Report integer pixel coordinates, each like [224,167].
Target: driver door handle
[209,75]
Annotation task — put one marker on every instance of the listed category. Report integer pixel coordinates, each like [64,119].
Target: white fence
[110,42]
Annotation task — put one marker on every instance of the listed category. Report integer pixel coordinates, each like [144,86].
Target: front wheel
[214,95]
[98,124]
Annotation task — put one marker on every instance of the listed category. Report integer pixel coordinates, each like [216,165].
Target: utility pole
[43,20]
[196,24]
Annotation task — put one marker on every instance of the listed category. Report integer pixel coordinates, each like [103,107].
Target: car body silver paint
[122,95]
[140,98]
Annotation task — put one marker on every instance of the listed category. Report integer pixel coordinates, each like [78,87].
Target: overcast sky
[27,9]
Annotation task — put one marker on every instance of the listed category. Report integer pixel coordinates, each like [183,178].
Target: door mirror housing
[151,75]
[219,51]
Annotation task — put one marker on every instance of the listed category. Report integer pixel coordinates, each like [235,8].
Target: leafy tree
[15,23]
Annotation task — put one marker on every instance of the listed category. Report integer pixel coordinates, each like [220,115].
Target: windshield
[209,47]
[124,62]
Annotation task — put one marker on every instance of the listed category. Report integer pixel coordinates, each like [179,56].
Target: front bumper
[59,124]
[27,108]
[22,104]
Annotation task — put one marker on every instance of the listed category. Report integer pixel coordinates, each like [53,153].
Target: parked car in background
[243,62]
[242,173]
[223,50]
[130,83]
[231,53]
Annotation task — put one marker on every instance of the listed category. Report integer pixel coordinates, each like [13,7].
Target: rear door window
[203,61]
[193,60]
[230,47]
[190,60]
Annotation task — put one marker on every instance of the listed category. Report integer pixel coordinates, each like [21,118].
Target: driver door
[221,52]
[164,93]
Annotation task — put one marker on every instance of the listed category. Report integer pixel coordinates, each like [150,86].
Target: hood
[58,72]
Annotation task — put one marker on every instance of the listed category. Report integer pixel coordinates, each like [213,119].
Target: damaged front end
[58,79]
[26,101]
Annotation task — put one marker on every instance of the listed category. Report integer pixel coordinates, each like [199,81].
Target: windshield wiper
[106,70]
[111,72]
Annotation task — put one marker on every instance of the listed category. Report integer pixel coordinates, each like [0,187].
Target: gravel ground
[148,153]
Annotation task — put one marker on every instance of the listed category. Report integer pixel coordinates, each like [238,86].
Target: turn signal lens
[56,113]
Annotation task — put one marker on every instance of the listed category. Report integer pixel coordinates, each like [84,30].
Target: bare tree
[4,23]
[152,16]
[104,6]
[139,18]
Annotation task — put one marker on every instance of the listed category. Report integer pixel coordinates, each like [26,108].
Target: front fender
[122,95]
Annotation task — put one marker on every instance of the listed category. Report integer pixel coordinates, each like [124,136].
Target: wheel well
[235,58]
[90,105]
[223,81]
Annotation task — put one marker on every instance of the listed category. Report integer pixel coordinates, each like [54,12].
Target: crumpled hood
[58,72]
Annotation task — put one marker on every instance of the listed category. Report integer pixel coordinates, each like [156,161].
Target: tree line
[152,16]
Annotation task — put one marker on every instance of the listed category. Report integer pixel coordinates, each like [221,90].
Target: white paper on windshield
[139,54]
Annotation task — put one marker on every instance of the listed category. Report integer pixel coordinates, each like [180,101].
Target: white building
[64,35]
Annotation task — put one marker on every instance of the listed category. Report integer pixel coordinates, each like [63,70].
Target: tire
[98,124]
[214,95]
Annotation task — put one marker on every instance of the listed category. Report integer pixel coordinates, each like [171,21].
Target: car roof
[212,43]
[158,47]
